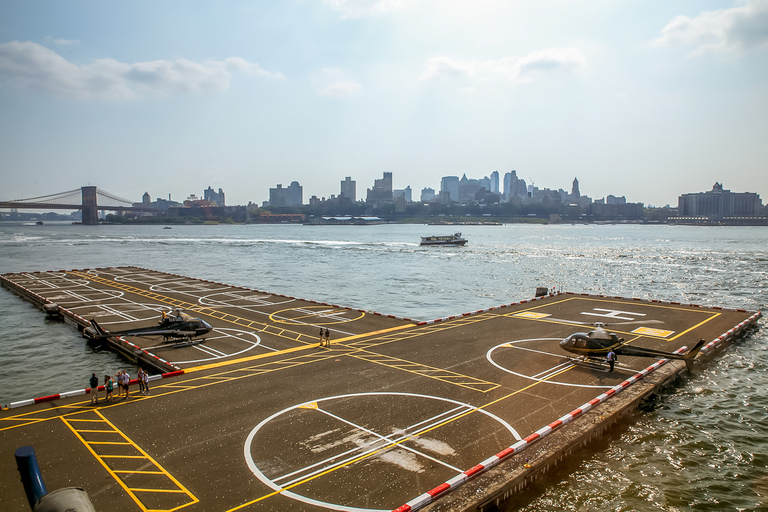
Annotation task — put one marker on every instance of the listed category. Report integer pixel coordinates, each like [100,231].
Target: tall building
[514,187]
[719,202]
[450,185]
[349,189]
[575,194]
[215,197]
[494,182]
[468,188]
[381,191]
[427,194]
[405,193]
[290,196]
[295,194]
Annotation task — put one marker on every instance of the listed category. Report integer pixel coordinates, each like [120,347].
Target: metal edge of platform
[516,473]
[485,491]
[119,345]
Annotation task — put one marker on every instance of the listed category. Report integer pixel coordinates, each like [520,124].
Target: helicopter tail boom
[101,333]
[691,355]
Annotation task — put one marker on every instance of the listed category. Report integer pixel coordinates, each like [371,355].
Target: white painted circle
[489,356]
[333,506]
[223,330]
[211,302]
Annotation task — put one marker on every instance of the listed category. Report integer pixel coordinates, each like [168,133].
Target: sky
[646,100]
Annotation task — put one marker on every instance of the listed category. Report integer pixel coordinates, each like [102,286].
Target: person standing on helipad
[109,386]
[327,337]
[94,389]
[126,383]
[321,336]
[611,358]
[145,378]
[140,378]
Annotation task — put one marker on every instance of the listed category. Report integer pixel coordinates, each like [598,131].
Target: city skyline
[646,101]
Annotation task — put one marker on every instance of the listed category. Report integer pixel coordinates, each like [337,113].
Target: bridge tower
[90,208]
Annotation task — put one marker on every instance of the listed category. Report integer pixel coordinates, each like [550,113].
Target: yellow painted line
[695,326]
[290,350]
[141,472]
[395,443]
[144,455]
[138,489]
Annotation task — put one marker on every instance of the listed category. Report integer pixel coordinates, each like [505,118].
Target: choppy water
[702,447]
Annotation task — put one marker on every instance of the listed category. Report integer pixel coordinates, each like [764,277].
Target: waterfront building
[427,194]
[449,185]
[494,182]
[575,194]
[719,202]
[214,197]
[611,199]
[290,196]
[514,187]
[381,191]
[404,193]
[349,189]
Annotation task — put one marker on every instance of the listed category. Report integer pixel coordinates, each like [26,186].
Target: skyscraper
[494,182]
[450,184]
[381,191]
[349,189]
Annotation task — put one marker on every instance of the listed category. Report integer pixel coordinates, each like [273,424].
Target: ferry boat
[454,239]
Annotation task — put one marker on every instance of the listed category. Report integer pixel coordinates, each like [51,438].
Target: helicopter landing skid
[174,344]
[592,364]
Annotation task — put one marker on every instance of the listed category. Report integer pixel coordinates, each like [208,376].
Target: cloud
[28,65]
[520,70]
[64,41]
[335,82]
[732,31]
[366,8]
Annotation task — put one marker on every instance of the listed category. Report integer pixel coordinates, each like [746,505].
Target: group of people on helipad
[121,380]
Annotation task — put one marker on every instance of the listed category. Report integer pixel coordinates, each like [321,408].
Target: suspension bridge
[89,199]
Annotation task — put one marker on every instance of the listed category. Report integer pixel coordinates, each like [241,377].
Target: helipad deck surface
[264,419]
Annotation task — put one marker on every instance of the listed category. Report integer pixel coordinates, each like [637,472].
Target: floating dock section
[458,413]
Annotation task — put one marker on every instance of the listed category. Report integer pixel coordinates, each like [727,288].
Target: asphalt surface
[263,418]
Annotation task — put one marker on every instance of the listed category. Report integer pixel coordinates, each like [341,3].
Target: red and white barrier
[85,391]
[429,496]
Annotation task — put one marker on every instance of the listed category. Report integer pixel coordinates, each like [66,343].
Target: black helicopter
[175,326]
[596,344]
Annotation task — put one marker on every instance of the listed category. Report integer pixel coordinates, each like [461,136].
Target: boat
[455,239]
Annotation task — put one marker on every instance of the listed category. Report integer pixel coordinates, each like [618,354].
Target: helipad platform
[396,414]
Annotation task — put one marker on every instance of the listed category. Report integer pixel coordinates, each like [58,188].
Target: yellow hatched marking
[532,315]
[648,331]
[312,405]
[431,372]
[138,453]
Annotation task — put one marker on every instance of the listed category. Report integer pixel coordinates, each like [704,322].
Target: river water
[703,445]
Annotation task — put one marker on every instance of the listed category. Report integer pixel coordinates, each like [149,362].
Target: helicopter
[175,326]
[597,343]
